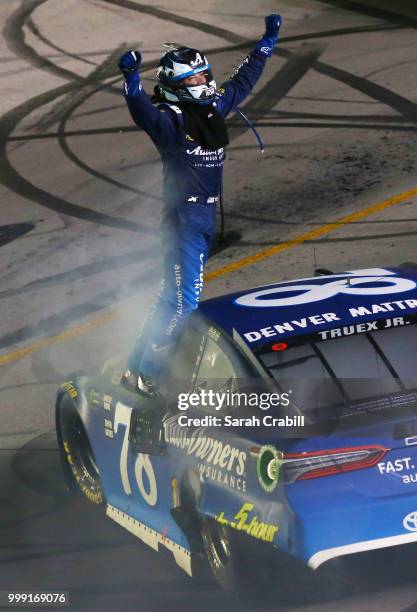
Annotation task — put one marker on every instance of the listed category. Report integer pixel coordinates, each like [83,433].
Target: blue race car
[288,427]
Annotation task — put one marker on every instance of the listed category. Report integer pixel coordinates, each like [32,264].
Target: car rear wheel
[239,563]
[219,547]
[77,454]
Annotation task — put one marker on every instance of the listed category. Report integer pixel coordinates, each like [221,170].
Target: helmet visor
[201,78]
[201,71]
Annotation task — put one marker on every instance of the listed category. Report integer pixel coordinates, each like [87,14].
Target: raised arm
[159,124]
[241,83]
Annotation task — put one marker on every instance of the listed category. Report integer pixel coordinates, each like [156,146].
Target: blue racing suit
[192,179]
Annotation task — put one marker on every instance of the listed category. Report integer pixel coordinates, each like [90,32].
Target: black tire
[240,564]
[220,549]
[77,454]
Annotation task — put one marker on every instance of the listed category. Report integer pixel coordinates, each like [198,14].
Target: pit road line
[237,265]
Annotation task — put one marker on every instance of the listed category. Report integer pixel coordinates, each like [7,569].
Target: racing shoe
[140,384]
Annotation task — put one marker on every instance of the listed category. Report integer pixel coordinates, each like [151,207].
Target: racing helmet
[178,63]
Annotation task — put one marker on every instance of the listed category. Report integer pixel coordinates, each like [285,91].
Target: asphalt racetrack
[80,199]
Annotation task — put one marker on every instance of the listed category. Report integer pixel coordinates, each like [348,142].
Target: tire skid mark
[337,100]
[323,241]
[236,38]
[12,179]
[233,124]
[15,41]
[367,29]
[13,231]
[56,322]
[90,269]
[38,2]
[67,549]
[98,111]
[36,515]
[63,143]
[315,223]
[334,124]
[367,237]
[24,432]
[402,105]
[293,70]
[390,67]
[36,32]
[279,114]
[298,64]
[103,71]
[371,11]
[8,60]
[35,383]
[179,19]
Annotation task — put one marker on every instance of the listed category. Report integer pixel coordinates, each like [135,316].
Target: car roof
[303,306]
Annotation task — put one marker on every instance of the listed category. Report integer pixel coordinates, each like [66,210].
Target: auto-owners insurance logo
[410,521]
[217,460]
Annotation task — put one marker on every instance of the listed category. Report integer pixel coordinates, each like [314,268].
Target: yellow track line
[311,235]
[69,333]
[237,265]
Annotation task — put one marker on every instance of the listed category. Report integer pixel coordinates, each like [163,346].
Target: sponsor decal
[70,389]
[410,441]
[199,281]
[244,521]
[101,399]
[245,61]
[268,466]
[286,327]
[214,333]
[175,492]
[410,521]
[93,494]
[361,328]
[208,155]
[107,400]
[108,428]
[207,158]
[94,397]
[217,460]
[198,60]
[180,303]
[353,283]
[397,467]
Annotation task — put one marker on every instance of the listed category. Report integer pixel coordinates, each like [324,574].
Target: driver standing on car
[187,125]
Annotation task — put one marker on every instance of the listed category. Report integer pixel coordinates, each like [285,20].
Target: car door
[227,456]
[220,454]
[151,481]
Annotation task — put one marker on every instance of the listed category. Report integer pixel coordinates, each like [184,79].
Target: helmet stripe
[191,72]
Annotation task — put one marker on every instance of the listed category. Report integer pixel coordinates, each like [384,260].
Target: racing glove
[270,37]
[129,62]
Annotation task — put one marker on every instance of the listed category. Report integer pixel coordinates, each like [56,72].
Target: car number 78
[143,465]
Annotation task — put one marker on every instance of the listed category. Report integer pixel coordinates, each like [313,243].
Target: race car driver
[187,125]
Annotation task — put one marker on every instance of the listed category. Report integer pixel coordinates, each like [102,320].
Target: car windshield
[359,370]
